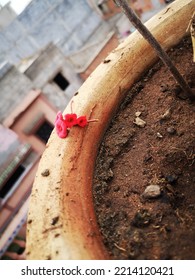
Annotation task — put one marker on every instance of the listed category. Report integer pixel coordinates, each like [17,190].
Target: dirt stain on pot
[107,60]
[54,220]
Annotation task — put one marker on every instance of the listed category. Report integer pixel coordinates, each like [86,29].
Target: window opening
[44,131]
[16,177]
[103,7]
[61,81]
[11,181]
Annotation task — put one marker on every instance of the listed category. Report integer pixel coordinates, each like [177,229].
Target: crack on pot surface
[131,158]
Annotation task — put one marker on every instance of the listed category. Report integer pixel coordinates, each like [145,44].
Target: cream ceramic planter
[61,220]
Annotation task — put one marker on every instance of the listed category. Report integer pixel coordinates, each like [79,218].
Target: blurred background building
[46,52]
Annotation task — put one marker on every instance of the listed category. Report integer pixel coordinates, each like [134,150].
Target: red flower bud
[64,123]
[82,121]
[59,117]
[70,119]
[61,128]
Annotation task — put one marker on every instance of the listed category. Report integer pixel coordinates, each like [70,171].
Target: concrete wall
[15,85]
[34,114]
[7,15]
[45,67]
[79,34]
[13,88]
[67,23]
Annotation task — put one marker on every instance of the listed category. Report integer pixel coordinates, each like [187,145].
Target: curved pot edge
[68,228]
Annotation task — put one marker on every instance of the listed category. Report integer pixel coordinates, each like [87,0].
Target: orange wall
[40,105]
[113,9]
[5,214]
[23,115]
[138,5]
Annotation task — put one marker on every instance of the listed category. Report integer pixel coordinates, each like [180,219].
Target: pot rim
[61,220]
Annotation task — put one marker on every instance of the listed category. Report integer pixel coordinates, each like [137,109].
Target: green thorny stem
[157,47]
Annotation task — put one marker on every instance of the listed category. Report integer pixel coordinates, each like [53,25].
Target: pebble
[164,88]
[138,114]
[152,191]
[110,174]
[139,122]
[171,130]
[159,135]
[166,115]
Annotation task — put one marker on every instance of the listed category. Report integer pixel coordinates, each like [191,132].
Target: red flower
[70,119]
[61,128]
[59,117]
[64,123]
[82,121]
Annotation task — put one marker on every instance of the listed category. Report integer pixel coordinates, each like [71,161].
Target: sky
[17,5]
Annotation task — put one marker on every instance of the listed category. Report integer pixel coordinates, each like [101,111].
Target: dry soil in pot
[144,183]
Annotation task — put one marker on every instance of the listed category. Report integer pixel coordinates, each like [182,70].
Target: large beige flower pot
[61,220]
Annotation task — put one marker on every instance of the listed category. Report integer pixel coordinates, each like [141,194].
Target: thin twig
[120,248]
[71,106]
[154,43]
[192,31]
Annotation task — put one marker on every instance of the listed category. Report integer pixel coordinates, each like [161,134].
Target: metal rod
[131,15]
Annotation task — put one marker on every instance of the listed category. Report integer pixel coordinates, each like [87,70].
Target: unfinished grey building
[51,42]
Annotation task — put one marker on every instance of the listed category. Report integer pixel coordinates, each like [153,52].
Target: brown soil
[161,153]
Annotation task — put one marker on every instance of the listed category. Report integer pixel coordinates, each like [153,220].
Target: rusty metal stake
[156,46]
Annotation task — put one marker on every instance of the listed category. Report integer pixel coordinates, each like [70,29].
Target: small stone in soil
[152,191]
[159,135]
[166,115]
[164,88]
[171,130]
[139,122]
[138,114]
